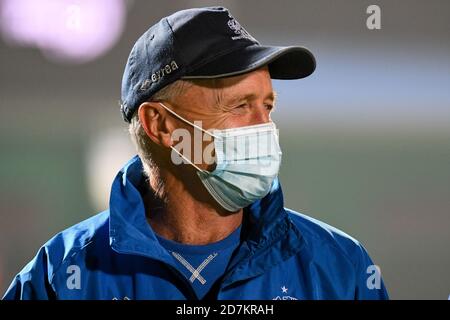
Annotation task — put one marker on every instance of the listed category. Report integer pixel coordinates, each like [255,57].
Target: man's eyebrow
[251,96]
[273,95]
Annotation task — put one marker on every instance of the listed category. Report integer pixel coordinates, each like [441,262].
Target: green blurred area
[390,191]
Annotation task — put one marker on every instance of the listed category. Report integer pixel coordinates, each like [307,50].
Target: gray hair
[144,145]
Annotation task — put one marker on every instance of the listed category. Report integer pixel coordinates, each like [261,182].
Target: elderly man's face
[238,101]
[231,102]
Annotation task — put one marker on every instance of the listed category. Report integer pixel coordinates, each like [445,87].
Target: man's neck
[186,220]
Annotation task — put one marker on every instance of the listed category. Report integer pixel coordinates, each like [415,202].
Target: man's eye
[269,107]
[240,108]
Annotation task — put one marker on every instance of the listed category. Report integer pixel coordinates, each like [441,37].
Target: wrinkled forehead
[222,91]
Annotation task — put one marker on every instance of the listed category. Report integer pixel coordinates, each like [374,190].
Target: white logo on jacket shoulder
[284,296]
[124,298]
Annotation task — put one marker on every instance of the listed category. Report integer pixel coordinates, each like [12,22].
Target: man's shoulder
[74,239]
[323,238]
[35,280]
[82,233]
[338,258]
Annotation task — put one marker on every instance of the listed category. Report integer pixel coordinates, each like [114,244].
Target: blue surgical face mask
[247,162]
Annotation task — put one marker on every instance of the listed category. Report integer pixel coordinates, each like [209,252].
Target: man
[201,217]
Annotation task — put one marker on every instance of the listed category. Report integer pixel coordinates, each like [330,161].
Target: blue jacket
[115,255]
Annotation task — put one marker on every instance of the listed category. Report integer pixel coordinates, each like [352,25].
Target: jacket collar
[268,237]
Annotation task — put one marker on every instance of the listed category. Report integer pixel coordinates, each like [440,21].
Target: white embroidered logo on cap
[239,30]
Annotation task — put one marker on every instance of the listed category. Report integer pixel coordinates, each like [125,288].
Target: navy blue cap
[202,43]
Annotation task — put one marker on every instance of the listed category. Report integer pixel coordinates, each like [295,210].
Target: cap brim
[283,63]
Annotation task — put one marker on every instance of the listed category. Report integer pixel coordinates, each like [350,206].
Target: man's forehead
[252,85]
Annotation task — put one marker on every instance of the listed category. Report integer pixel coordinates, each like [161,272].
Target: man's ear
[153,118]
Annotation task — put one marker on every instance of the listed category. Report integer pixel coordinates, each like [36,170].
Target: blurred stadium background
[366,139]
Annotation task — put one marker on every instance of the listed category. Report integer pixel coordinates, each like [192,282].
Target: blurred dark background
[366,138]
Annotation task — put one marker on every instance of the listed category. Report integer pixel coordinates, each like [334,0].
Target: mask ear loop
[187,160]
[195,126]
[188,122]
